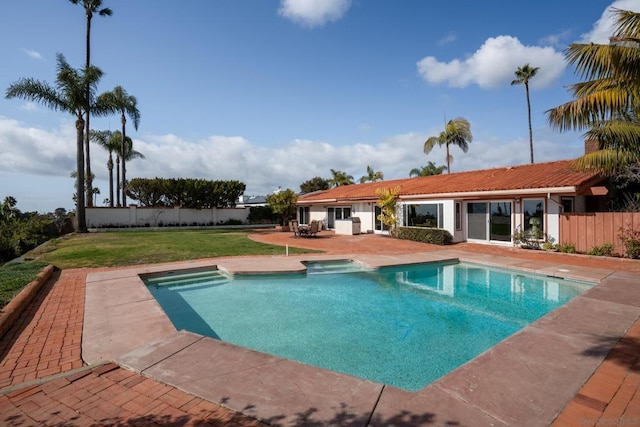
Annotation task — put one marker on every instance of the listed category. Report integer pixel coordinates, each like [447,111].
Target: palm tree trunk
[110,167]
[124,155]
[80,211]
[89,186]
[448,160]
[526,86]
[118,180]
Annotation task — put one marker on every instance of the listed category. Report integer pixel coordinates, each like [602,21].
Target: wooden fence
[586,230]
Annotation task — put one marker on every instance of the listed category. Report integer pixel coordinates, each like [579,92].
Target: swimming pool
[403,326]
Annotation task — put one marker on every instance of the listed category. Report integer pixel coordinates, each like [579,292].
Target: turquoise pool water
[403,326]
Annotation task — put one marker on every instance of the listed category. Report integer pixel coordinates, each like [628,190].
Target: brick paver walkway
[43,380]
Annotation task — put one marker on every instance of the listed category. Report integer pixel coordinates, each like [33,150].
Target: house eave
[493,193]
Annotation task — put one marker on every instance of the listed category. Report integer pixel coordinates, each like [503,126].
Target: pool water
[403,326]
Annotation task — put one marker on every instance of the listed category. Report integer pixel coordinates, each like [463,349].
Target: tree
[112,142]
[339,178]
[456,132]
[105,140]
[429,169]
[126,105]
[90,7]
[314,184]
[372,176]
[8,210]
[68,95]
[607,104]
[283,203]
[388,200]
[523,74]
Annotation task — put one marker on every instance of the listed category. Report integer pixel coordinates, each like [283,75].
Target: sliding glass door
[489,221]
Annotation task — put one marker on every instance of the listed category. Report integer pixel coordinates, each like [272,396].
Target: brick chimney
[591,145]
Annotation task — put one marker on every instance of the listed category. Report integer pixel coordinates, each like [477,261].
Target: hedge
[436,236]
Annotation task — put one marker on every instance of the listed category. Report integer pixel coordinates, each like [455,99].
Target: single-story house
[484,206]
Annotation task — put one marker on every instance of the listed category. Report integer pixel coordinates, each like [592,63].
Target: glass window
[458,216]
[567,204]
[533,210]
[424,215]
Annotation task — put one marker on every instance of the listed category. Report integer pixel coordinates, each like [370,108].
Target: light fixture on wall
[517,199]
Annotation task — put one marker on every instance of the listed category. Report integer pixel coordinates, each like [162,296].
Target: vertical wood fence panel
[586,230]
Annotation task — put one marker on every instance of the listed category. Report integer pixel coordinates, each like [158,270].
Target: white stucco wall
[140,217]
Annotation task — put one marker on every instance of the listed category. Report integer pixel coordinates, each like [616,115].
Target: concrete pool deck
[44,380]
[525,380]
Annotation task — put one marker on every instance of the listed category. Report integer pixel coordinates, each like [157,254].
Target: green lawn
[15,276]
[121,248]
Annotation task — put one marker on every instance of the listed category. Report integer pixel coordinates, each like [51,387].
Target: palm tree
[372,176]
[339,178]
[456,132]
[68,95]
[90,7]
[126,104]
[523,75]
[105,140]
[112,142]
[607,104]
[429,169]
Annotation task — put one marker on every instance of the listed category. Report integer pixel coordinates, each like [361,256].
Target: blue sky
[275,92]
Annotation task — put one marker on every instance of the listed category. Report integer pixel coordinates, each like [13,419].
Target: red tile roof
[511,179]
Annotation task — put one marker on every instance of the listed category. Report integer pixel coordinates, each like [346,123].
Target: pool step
[213,277]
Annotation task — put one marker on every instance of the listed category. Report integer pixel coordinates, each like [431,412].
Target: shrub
[631,240]
[606,249]
[568,248]
[232,221]
[434,236]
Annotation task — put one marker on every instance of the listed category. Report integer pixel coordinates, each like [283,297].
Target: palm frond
[607,162]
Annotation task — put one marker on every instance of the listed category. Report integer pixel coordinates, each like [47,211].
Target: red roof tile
[511,178]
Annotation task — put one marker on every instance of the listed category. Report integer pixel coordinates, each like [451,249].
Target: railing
[587,230]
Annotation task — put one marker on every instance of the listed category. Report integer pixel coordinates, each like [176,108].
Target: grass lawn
[15,276]
[121,248]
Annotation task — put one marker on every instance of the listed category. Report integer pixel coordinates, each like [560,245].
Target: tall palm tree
[130,154]
[456,132]
[126,105]
[429,169]
[372,176]
[90,7]
[339,178]
[607,104]
[68,95]
[523,75]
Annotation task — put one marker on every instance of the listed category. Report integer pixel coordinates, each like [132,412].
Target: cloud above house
[313,13]
[27,151]
[603,27]
[493,64]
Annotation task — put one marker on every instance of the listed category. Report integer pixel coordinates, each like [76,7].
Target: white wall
[139,217]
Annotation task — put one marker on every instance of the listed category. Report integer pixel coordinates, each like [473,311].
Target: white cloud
[493,64]
[557,40]
[29,106]
[313,13]
[32,53]
[29,154]
[603,28]
[448,39]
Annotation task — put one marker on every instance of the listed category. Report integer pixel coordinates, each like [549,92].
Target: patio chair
[313,229]
[293,225]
